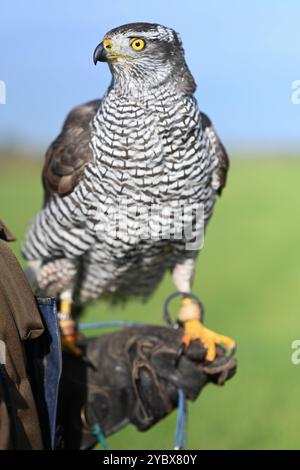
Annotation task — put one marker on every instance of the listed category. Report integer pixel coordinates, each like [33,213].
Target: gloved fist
[131,376]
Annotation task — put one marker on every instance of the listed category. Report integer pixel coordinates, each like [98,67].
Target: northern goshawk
[130,184]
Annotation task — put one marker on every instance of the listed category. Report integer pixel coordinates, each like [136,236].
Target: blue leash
[97,432]
[109,324]
[182,414]
[182,420]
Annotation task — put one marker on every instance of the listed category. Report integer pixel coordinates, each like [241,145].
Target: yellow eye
[107,43]
[138,44]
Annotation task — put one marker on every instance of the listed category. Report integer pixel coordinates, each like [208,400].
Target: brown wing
[68,155]
[223,167]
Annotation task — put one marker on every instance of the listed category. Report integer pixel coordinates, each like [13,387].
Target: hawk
[143,155]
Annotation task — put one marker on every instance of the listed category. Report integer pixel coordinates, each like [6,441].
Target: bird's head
[145,55]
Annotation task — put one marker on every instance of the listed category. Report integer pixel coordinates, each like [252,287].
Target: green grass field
[249,279]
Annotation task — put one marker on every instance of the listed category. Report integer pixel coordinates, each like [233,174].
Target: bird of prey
[142,155]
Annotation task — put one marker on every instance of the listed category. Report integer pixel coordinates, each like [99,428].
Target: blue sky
[244,55]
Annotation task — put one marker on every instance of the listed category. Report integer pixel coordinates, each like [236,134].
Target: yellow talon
[68,344]
[68,329]
[193,329]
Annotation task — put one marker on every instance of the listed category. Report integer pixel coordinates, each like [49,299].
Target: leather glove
[131,376]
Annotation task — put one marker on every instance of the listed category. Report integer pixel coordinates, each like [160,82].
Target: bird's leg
[68,326]
[190,314]
[32,270]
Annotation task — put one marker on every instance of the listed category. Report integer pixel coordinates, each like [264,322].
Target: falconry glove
[131,376]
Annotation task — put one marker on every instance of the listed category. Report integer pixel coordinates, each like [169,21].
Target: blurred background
[245,59]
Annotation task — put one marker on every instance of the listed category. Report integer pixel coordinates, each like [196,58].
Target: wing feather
[68,155]
[220,174]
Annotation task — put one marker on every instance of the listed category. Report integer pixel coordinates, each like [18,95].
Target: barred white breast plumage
[144,144]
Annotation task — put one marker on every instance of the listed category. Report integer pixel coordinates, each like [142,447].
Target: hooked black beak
[100,54]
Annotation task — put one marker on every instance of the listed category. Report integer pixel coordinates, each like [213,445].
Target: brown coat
[19,321]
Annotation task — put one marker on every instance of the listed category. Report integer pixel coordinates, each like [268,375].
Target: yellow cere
[138,44]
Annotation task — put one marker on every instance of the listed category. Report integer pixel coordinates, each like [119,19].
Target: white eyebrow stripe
[159,33]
